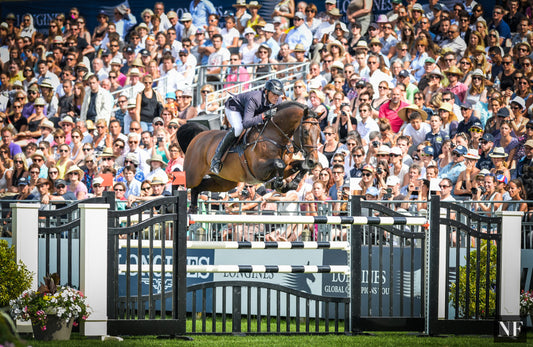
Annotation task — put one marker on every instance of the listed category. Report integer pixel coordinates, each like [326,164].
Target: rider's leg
[235,119]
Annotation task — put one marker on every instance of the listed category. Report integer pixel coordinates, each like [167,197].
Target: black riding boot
[223,146]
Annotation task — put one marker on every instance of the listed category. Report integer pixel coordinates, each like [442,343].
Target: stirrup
[216,166]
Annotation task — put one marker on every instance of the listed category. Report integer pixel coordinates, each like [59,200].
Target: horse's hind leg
[210,183]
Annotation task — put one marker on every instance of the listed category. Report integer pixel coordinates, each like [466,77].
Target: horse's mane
[290,103]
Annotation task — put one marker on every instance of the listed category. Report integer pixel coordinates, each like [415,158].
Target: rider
[242,111]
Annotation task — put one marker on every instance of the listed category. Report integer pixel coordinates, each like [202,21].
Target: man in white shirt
[98,70]
[159,10]
[300,33]
[376,75]
[174,80]
[44,73]
[220,56]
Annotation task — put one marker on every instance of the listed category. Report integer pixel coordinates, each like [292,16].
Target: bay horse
[264,155]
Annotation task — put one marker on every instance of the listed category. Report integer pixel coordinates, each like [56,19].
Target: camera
[244,193]
[375,144]
[379,171]
[344,113]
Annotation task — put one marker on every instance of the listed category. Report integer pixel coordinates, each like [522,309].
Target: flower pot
[56,329]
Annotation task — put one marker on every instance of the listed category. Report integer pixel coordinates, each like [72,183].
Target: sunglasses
[367,174]
[119,190]
[476,130]
[146,188]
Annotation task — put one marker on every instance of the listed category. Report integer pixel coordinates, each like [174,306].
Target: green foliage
[14,278]
[472,276]
[50,299]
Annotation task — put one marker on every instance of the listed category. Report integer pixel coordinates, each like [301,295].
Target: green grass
[378,339]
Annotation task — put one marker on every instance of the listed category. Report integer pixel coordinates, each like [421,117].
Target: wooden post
[26,240]
[93,266]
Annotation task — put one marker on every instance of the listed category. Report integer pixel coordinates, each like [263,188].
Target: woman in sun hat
[449,119]
[477,91]
[254,7]
[157,166]
[498,157]
[74,175]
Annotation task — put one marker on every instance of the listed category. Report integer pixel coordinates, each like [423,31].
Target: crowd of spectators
[434,98]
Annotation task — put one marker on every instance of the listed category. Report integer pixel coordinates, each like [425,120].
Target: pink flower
[75,324]
[43,328]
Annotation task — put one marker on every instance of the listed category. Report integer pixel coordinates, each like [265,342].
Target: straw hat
[239,3]
[137,62]
[334,12]
[402,113]
[47,124]
[375,41]
[90,125]
[107,153]
[498,152]
[75,168]
[254,4]
[39,102]
[299,48]
[338,44]
[68,120]
[159,180]
[472,154]
[436,72]
[156,157]
[479,49]
[449,108]
[38,153]
[455,71]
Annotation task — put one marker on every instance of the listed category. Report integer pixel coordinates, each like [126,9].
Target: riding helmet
[275,86]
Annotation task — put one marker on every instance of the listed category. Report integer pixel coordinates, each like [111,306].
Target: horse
[264,155]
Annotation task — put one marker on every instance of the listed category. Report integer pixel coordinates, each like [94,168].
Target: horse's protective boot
[223,146]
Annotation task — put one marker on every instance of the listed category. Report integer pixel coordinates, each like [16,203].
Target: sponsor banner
[156,282]
[308,283]
[381,282]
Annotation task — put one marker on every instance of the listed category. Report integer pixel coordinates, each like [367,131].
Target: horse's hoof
[278,183]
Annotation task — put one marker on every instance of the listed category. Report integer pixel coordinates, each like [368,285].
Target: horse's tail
[187,132]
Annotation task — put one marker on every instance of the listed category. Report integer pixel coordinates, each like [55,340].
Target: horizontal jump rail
[156,244]
[336,220]
[243,268]
[343,245]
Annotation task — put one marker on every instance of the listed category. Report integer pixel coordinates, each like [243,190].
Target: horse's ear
[306,111]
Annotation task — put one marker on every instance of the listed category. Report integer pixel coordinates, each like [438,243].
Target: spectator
[123,20]
[390,109]
[300,34]
[453,169]
[148,104]
[75,174]
[96,103]
[200,10]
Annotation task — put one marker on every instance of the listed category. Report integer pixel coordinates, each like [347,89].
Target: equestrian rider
[244,111]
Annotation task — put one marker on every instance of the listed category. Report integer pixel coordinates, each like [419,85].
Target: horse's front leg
[293,167]
[292,184]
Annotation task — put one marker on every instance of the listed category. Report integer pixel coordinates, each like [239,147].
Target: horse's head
[306,138]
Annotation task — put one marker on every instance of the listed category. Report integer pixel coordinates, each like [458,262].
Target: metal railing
[224,89]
